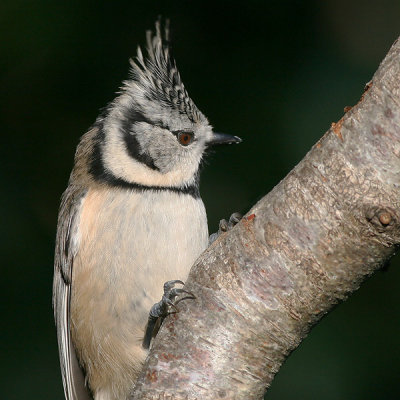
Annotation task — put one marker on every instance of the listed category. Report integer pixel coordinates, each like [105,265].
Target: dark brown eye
[185,138]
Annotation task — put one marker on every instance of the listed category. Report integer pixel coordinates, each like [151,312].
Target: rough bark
[304,247]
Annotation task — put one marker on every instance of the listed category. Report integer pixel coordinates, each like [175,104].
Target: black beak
[223,138]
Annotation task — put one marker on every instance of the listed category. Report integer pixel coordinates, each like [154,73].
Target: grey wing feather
[66,248]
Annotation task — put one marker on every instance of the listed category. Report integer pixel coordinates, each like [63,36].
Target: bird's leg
[225,226]
[161,309]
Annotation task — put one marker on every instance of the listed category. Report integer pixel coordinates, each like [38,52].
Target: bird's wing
[66,248]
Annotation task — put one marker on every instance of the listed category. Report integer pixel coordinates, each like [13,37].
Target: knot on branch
[383,220]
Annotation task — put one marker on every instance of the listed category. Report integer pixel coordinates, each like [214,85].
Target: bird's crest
[158,76]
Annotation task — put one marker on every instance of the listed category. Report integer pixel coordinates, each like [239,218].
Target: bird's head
[153,134]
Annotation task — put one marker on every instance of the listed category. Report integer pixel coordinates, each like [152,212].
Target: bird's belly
[130,243]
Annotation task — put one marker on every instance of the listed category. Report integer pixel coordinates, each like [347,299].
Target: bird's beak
[223,138]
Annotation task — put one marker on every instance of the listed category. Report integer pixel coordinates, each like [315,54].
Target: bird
[131,223]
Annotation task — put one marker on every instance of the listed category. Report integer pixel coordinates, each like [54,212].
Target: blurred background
[276,73]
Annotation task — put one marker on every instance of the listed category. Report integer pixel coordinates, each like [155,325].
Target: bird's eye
[185,138]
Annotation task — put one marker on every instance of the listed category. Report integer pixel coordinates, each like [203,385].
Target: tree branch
[304,247]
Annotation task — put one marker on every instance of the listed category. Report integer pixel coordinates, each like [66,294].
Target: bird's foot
[167,305]
[225,226]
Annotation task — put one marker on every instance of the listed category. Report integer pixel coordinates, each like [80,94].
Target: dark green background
[276,73]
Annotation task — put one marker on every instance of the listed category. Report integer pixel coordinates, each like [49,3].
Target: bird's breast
[130,243]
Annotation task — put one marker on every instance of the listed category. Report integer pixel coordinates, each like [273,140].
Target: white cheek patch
[117,160]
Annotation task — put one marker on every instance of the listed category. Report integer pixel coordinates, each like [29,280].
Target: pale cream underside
[130,243]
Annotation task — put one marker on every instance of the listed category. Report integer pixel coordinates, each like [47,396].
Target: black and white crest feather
[158,77]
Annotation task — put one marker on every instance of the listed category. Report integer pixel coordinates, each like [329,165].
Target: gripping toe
[225,226]
[160,310]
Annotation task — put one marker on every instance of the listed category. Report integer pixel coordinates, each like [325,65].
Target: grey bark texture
[307,245]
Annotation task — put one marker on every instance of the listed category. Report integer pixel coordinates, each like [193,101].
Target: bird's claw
[225,226]
[160,310]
